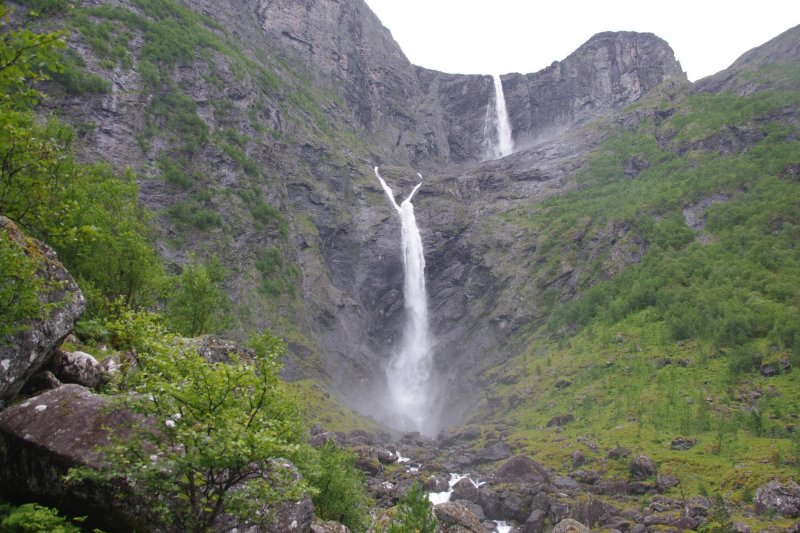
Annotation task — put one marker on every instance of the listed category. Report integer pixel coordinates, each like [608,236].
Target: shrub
[414,513]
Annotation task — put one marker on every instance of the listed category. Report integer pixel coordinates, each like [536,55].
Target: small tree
[415,514]
[198,305]
[215,436]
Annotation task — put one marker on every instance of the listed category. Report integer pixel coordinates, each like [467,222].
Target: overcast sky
[501,36]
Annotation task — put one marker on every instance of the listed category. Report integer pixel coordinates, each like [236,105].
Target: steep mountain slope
[254,126]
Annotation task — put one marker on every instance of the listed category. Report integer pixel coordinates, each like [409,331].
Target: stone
[562,383]
[666,481]
[320,526]
[24,354]
[586,476]
[769,370]
[578,459]
[455,518]
[521,469]
[534,523]
[465,489]
[565,483]
[43,380]
[291,517]
[560,420]
[436,484]
[79,368]
[641,468]
[682,443]
[218,350]
[44,436]
[781,498]
[568,525]
[492,454]
[618,453]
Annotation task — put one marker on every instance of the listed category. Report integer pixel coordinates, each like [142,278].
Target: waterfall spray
[409,373]
[503,144]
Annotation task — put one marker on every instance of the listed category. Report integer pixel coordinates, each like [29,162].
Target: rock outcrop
[780,498]
[25,353]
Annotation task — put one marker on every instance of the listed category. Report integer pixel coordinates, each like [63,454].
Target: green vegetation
[667,326]
[34,518]
[341,494]
[276,277]
[196,212]
[199,303]
[414,513]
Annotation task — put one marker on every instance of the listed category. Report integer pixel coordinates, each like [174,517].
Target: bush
[33,518]
[342,494]
[414,513]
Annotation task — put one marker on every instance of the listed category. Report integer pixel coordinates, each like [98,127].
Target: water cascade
[497,130]
[408,375]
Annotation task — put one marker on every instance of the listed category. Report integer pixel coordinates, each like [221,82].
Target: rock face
[432,117]
[340,238]
[27,352]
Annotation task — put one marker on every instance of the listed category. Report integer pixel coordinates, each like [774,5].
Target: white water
[409,372]
[503,144]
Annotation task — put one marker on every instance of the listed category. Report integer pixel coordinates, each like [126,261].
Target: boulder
[79,368]
[289,517]
[565,483]
[618,453]
[436,484]
[534,523]
[560,420]
[43,380]
[44,436]
[521,469]
[682,443]
[642,468]
[781,498]
[665,481]
[578,459]
[568,525]
[22,355]
[216,350]
[455,518]
[465,489]
[493,453]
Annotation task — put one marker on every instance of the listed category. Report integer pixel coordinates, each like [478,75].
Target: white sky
[501,36]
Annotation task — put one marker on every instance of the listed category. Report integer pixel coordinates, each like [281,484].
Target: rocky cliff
[260,136]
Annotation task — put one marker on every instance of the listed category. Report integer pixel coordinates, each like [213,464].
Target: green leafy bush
[414,513]
[342,495]
[34,518]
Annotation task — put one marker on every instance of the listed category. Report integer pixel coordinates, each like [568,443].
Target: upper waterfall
[410,370]
[498,126]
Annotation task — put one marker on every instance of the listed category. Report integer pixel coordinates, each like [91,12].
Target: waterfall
[503,144]
[409,373]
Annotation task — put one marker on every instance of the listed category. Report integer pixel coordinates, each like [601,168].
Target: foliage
[19,287]
[216,438]
[33,518]
[75,79]
[199,302]
[414,513]
[176,113]
[174,172]
[26,58]
[342,496]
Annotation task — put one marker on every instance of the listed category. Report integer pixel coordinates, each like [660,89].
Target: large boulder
[42,438]
[781,498]
[455,518]
[22,355]
[79,368]
[521,469]
[642,468]
[465,489]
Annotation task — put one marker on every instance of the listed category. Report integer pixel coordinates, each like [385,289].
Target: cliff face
[427,118]
[298,101]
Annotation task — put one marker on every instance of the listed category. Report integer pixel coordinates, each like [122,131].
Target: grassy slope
[717,302]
